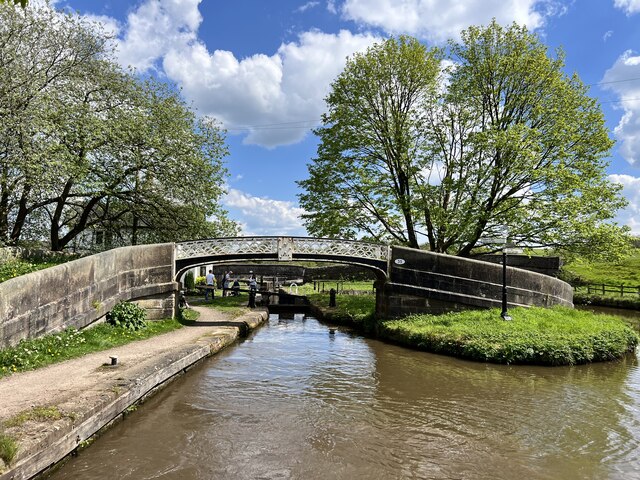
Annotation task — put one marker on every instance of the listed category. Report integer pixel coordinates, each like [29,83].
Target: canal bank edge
[598,340]
[45,445]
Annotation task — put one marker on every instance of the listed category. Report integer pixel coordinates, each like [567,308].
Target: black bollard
[332,297]
[252,298]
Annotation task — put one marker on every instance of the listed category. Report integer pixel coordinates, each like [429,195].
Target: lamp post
[502,240]
[504,314]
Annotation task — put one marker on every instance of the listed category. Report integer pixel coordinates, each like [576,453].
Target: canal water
[294,401]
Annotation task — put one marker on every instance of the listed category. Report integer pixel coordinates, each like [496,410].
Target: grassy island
[534,336]
[539,336]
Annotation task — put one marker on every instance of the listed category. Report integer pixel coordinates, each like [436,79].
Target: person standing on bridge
[211,285]
[226,283]
[253,283]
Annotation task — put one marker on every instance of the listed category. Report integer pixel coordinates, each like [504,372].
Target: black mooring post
[332,297]
[252,298]
[504,314]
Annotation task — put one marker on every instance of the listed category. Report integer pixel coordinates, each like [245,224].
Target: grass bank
[72,343]
[536,336]
[611,275]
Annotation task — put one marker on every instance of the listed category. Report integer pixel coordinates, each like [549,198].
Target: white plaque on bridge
[285,249]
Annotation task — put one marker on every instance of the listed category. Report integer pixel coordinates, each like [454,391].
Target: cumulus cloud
[275,98]
[439,20]
[631,190]
[628,6]
[265,216]
[155,28]
[621,79]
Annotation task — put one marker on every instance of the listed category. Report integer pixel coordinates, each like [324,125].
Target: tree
[88,148]
[41,52]
[371,144]
[509,141]
[22,3]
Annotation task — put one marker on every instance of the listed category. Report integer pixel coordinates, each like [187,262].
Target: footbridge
[282,249]
[82,291]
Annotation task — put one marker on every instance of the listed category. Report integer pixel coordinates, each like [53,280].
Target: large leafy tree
[371,144]
[509,141]
[86,147]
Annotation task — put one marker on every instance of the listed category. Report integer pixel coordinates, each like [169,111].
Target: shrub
[201,280]
[189,282]
[8,448]
[127,315]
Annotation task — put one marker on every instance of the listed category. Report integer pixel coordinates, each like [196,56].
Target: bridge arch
[283,249]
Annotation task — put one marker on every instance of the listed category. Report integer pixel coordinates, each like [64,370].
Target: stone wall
[546,265]
[82,291]
[421,281]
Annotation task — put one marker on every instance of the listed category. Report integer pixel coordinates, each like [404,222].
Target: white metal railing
[284,247]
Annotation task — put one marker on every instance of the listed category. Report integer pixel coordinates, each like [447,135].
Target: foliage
[8,448]
[556,336]
[626,270]
[189,281]
[508,140]
[369,143]
[201,280]
[72,343]
[127,315]
[627,302]
[22,3]
[15,268]
[35,414]
[91,153]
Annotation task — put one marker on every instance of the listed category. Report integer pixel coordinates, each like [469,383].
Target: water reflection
[295,401]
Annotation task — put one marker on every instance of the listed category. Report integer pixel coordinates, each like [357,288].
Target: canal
[294,401]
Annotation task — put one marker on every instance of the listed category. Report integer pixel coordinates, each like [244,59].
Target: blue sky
[263,67]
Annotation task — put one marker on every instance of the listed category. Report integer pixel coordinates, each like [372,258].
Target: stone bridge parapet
[82,291]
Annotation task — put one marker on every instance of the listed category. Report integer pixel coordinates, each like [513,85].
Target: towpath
[81,387]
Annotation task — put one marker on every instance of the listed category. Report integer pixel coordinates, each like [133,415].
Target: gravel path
[84,379]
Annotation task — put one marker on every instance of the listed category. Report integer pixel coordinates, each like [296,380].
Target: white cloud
[629,6]
[331,6]
[276,99]
[155,28]
[619,80]
[631,190]
[307,6]
[265,216]
[439,20]
[607,35]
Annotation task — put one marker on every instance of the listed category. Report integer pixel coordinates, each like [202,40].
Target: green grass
[8,449]
[37,414]
[232,306]
[307,288]
[15,268]
[626,271]
[554,336]
[72,343]
[357,309]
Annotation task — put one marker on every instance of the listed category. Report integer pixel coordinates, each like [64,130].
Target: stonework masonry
[427,282]
[78,293]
